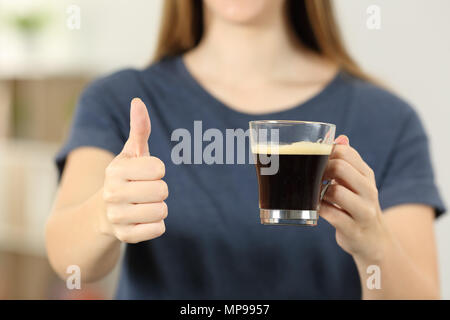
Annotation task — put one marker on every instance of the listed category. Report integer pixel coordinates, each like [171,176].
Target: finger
[137,143]
[140,232]
[139,169]
[145,191]
[337,218]
[342,139]
[138,213]
[345,174]
[348,201]
[343,150]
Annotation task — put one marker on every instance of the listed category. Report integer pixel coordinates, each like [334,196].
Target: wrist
[102,224]
[378,253]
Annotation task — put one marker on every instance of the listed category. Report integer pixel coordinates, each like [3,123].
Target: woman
[225,63]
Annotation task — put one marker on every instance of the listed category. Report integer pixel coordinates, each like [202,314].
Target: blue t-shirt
[214,246]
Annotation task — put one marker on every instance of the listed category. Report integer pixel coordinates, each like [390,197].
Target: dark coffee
[296,184]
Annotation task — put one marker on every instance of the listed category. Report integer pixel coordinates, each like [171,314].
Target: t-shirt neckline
[196,85]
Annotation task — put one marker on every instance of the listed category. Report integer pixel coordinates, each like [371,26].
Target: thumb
[137,143]
[342,139]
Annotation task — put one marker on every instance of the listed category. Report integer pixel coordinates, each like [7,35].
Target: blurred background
[50,49]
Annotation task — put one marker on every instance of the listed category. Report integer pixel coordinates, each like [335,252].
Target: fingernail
[342,139]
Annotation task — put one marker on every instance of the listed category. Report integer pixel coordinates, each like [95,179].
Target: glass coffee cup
[290,160]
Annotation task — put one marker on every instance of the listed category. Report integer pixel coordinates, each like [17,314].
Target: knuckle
[337,167]
[164,210]
[112,170]
[334,191]
[132,241]
[160,229]
[110,195]
[330,192]
[163,191]
[114,216]
[340,167]
[338,151]
[159,167]
[123,236]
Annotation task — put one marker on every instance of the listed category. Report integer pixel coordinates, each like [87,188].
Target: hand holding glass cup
[290,159]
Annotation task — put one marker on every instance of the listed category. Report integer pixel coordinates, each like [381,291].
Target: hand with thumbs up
[133,191]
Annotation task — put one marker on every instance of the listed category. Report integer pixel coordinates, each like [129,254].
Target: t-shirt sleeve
[409,177]
[94,124]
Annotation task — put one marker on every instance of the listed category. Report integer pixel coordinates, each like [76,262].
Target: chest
[263,98]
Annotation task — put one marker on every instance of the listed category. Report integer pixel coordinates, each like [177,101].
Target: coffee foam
[296,148]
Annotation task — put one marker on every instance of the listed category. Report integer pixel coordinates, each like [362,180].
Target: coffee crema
[296,148]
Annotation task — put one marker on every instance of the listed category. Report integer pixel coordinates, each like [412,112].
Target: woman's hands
[351,204]
[133,191]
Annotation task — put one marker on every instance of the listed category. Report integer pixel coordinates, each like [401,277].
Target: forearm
[400,277]
[74,237]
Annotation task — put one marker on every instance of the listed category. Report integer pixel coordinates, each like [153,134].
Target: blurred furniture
[35,114]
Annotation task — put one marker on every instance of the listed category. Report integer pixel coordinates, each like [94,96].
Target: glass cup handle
[324,189]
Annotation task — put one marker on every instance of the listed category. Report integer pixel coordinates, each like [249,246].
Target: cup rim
[291,122]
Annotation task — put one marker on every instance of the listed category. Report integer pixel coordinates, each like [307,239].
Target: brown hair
[312,21]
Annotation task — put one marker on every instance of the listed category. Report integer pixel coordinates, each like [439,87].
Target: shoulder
[378,114]
[133,82]
[378,120]
[107,86]
[377,103]
[108,97]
